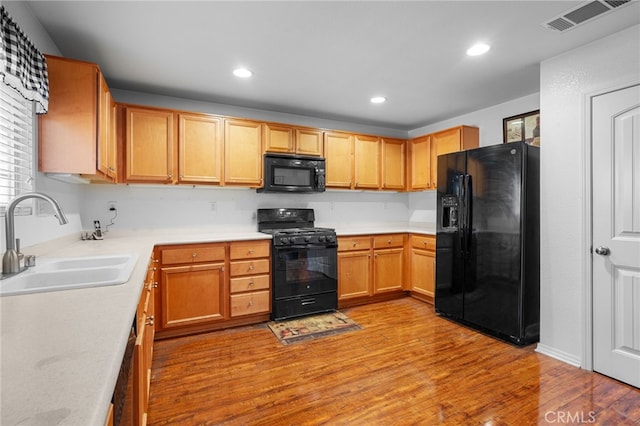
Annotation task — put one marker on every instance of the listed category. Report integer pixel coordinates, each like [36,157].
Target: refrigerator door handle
[462,213]
[467,213]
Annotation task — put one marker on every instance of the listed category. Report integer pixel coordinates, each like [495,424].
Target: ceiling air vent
[583,13]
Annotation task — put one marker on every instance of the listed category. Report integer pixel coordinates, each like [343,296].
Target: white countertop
[61,351]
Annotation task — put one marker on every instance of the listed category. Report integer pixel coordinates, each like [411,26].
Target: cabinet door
[243,152]
[278,138]
[420,152]
[193,294]
[309,142]
[199,148]
[338,151]
[104,126]
[423,272]
[140,390]
[149,141]
[112,151]
[354,274]
[447,141]
[367,162]
[388,274]
[393,164]
[68,132]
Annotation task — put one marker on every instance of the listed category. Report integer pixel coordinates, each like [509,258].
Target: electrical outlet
[212,204]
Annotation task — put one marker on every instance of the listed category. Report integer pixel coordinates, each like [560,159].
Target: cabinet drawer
[249,249]
[354,243]
[239,285]
[249,267]
[388,240]
[423,242]
[195,254]
[250,303]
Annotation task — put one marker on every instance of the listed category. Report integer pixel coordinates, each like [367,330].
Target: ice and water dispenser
[450,216]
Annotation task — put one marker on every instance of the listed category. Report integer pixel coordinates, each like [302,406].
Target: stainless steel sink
[70,273]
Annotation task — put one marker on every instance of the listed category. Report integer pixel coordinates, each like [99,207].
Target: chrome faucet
[11,258]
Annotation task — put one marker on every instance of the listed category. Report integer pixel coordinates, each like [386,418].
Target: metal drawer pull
[308,302]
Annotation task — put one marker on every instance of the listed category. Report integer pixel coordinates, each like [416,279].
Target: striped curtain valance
[22,66]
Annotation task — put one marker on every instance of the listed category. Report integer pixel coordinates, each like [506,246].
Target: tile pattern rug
[312,327]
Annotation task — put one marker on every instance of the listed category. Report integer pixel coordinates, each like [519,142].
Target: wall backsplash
[150,206]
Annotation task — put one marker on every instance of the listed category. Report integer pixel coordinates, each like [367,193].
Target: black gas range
[304,263]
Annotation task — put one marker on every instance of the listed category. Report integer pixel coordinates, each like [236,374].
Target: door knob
[603,251]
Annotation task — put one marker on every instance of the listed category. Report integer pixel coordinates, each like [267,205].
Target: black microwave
[293,173]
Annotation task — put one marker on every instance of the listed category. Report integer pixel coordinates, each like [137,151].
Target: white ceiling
[325,59]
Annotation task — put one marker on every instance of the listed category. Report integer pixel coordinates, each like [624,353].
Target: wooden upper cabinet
[367,162]
[199,148]
[420,168]
[242,152]
[455,139]
[107,141]
[278,138]
[309,141]
[292,140]
[149,145]
[338,152]
[393,164]
[75,135]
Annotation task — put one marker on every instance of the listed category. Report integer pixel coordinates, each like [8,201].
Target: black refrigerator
[488,240]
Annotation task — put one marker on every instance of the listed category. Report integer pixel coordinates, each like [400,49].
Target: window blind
[16,148]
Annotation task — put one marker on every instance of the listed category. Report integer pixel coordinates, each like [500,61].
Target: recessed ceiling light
[378,100]
[242,73]
[478,49]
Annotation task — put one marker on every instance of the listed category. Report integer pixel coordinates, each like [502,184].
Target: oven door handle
[305,246]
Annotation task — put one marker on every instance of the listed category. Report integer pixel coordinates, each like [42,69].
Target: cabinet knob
[251,267]
[150,320]
[355,244]
[250,251]
[251,302]
[251,283]
[389,241]
[194,254]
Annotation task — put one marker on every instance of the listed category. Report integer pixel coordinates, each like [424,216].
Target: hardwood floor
[406,366]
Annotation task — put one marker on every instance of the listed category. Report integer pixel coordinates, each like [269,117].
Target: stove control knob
[321,239]
[329,238]
[284,241]
[307,239]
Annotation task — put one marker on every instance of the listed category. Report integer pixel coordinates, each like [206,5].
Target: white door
[616,234]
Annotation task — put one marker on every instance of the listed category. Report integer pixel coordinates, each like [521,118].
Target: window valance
[22,66]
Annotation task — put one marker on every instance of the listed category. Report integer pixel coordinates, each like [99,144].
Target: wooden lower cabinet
[354,274]
[250,281]
[423,267]
[205,287]
[143,349]
[193,294]
[370,266]
[388,270]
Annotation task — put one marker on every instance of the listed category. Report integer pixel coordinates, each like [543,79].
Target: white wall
[41,226]
[565,83]
[145,207]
